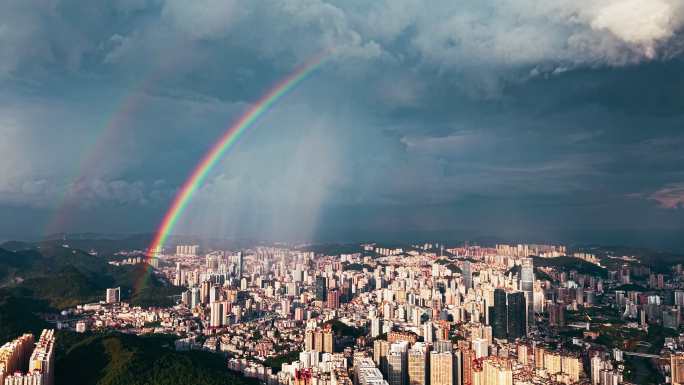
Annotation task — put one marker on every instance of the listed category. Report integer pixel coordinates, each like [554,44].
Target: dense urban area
[427,314]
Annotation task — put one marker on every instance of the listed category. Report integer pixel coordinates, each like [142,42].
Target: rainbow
[211,158]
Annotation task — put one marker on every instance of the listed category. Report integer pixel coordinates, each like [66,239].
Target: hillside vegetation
[64,277]
[122,359]
[567,264]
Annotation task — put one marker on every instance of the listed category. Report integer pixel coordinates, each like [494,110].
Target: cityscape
[423,314]
[341,192]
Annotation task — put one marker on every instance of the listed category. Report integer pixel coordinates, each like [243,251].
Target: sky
[534,120]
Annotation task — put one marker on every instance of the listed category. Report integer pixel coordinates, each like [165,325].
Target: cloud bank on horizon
[555,120]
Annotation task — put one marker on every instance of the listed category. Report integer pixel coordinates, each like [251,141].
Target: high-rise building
[42,358]
[396,370]
[677,368]
[572,367]
[113,295]
[309,337]
[499,315]
[442,368]
[397,363]
[299,313]
[620,299]
[365,373]
[195,299]
[597,365]
[214,294]
[14,355]
[553,362]
[522,353]
[418,364]
[508,315]
[428,332]
[178,279]
[318,340]
[216,314]
[497,372]
[376,327]
[239,261]
[19,365]
[328,341]
[322,341]
[517,314]
[321,288]
[204,291]
[467,361]
[333,300]
[380,350]
[467,274]
[187,250]
[527,287]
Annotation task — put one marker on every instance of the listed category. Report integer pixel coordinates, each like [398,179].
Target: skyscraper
[376,327]
[239,264]
[19,355]
[397,363]
[497,372]
[517,314]
[527,287]
[417,364]
[216,316]
[380,349]
[508,315]
[467,358]
[677,368]
[178,280]
[467,275]
[321,288]
[442,368]
[498,316]
[333,298]
[195,299]
[328,341]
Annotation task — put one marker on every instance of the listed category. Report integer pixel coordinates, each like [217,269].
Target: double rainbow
[227,140]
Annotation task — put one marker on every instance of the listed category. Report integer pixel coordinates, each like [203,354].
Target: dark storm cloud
[545,120]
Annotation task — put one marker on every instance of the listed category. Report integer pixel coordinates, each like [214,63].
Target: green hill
[64,277]
[121,359]
[18,316]
[45,280]
[567,264]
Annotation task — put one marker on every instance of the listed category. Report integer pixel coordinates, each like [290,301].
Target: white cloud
[641,23]
[445,34]
[670,196]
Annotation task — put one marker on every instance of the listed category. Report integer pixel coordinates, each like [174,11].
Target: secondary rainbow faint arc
[232,134]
